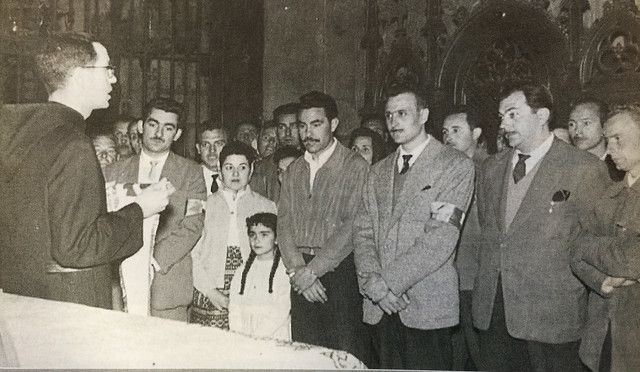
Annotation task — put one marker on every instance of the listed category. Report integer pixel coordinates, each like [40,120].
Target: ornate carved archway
[502,42]
[610,57]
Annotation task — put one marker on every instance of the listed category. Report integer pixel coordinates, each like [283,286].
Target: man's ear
[178,134]
[543,115]
[139,125]
[476,133]
[198,149]
[424,115]
[334,124]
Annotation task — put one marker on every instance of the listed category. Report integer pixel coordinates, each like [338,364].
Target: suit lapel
[504,169]
[546,178]
[384,194]
[418,177]
[169,168]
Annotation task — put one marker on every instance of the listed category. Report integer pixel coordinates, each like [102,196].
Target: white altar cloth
[51,334]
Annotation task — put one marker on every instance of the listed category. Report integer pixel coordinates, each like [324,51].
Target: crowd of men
[438,256]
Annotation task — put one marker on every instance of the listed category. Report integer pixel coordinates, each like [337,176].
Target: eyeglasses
[110,69]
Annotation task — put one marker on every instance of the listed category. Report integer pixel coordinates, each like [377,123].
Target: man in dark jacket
[56,237]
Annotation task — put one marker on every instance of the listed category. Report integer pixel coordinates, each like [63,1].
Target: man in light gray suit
[528,305]
[405,237]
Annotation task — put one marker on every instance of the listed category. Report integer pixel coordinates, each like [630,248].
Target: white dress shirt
[144,167]
[315,165]
[414,153]
[534,156]
[208,178]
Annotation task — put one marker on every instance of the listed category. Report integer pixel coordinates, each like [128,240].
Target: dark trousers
[502,352]
[336,324]
[464,338]
[397,346]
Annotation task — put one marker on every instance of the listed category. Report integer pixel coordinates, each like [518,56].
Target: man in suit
[56,237]
[264,180]
[177,232]
[461,132]
[405,237]
[318,203]
[529,307]
[585,130]
[611,248]
[211,139]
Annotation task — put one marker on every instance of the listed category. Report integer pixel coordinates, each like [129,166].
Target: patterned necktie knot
[520,169]
[405,163]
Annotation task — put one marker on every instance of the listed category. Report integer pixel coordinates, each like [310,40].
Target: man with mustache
[56,238]
[177,233]
[318,202]
[528,305]
[585,130]
[211,138]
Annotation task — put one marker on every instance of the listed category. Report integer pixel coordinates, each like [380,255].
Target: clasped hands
[375,289]
[610,283]
[305,282]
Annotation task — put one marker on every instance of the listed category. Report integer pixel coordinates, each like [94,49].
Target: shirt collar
[229,195]
[208,172]
[630,180]
[146,159]
[414,153]
[324,156]
[536,155]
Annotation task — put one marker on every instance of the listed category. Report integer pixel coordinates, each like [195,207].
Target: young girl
[224,245]
[259,298]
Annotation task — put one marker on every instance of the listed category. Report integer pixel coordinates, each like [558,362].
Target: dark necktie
[405,163]
[214,184]
[521,168]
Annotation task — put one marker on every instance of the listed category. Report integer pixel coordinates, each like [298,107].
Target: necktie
[214,184]
[521,168]
[152,170]
[405,163]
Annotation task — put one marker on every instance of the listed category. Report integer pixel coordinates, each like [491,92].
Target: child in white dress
[259,297]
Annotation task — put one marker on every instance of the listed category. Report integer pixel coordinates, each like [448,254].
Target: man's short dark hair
[464,109]
[397,88]
[602,107]
[268,124]
[315,99]
[208,125]
[286,152]
[290,108]
[165,104]
[537,95]
[59,55]
[237,148]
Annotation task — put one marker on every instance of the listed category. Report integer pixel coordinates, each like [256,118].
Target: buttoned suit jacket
[543,300]
[414,254]
[611,247]
[177,234]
